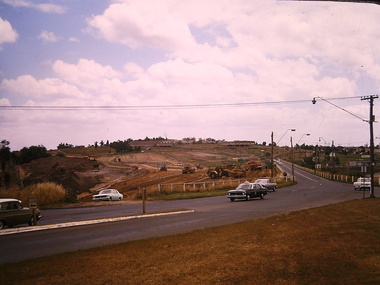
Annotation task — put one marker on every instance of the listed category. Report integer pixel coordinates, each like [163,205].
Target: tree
[34,152]
[64,145]
[5,157]
[121,146]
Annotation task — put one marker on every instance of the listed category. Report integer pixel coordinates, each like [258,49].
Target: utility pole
[372,144]
[291,144]
[271,164]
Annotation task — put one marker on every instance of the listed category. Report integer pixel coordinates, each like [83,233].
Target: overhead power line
[151,107]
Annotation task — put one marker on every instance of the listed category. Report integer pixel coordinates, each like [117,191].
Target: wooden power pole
[372,145]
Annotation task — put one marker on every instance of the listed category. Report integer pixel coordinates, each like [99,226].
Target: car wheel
[262,196]
[31,222]
[247,197]
[2,224]
[232,199]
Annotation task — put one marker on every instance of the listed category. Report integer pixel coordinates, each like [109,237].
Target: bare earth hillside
[129,172]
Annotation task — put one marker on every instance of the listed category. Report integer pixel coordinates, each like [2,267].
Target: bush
[47,193]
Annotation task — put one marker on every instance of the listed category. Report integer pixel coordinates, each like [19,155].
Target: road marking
[83,223]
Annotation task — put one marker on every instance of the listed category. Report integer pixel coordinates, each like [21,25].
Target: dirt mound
[72,173]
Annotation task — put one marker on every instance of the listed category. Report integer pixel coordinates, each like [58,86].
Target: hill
[89,170]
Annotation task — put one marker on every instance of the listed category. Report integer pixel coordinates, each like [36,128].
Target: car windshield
[105,192]
[244,186]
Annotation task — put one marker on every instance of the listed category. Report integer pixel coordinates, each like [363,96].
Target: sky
[80,72]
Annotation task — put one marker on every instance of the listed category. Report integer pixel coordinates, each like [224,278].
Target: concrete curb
[84,223]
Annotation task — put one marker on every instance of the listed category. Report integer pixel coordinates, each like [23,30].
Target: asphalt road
[311,191]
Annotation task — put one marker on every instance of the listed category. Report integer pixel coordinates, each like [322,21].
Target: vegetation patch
[48,193]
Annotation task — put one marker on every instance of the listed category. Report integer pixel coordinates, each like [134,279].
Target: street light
[302,137]
[293,130]
[305,145]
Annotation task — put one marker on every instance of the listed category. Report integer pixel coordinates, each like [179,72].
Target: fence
[335,177]
[204,186]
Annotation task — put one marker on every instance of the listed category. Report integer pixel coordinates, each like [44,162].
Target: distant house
[143,144]
[239,143]
[166,143]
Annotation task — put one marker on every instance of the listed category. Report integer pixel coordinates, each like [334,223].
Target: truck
[363,183]
[188,169]
[267,183]
[253,165]
[226,171]
[247,191]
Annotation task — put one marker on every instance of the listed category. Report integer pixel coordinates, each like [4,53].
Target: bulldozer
[253,165]
[188,169]
[216,172]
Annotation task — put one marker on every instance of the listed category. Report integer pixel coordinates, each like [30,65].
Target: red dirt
[115,171]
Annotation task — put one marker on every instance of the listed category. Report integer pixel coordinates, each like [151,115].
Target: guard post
[33,206]
[144,199]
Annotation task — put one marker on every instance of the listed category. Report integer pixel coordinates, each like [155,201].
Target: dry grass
[48,193]
[336,244]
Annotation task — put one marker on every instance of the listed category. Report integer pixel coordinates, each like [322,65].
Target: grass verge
[335,244]
[175,195]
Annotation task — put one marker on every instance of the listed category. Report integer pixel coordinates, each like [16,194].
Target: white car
[108,195]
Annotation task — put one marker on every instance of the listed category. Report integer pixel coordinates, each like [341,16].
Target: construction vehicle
[162,166]
[226,171]
[216,172]
[188,169]
[253,165]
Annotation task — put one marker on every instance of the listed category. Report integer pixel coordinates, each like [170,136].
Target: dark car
[13,213]
[247,191]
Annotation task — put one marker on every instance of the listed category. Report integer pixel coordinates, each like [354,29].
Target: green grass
[335,244]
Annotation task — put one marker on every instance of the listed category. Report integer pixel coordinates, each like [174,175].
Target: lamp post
[305,146]
[302,137]
[291,145]
[293,130]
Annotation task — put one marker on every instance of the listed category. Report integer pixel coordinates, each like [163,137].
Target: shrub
[48,193]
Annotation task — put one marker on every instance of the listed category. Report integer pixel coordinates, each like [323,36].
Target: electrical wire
[149,107]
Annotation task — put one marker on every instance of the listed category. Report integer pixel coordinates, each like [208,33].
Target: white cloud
[73,40]
[43,7]
[48,89]
[7,33]
[138,24]
[48,37]
[5,102]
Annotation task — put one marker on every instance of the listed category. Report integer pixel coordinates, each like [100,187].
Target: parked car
[247,191]
[108,195]
[363,183]
[12,213]
[267,183]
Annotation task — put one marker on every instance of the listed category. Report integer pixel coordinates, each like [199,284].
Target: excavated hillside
[129,172]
